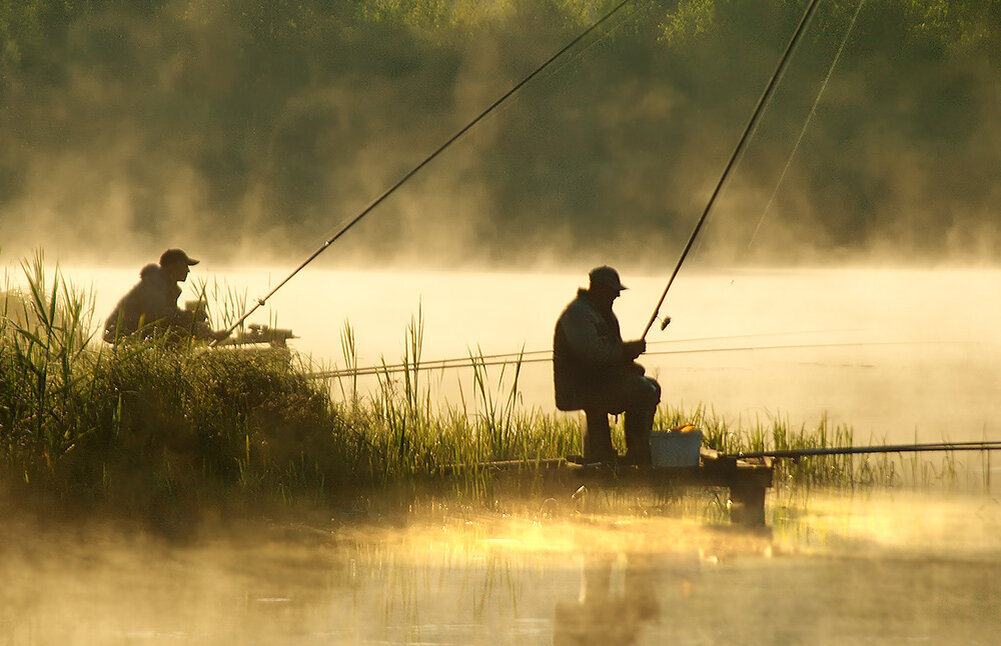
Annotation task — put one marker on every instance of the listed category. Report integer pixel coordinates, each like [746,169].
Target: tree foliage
[280,118]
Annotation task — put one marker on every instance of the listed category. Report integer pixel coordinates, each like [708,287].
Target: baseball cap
[176,255]
[606,277]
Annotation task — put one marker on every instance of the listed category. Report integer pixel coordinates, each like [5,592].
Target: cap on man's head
[606,277]
[176,255]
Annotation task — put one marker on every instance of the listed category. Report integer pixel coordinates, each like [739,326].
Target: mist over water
[887,569]
[248,135]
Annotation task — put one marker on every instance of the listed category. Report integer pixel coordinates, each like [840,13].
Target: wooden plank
[747,480]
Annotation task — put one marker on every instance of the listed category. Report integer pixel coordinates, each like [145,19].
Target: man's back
[587,344]
[150,304]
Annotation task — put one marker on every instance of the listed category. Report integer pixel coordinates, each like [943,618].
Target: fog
[253,132]
[887,568]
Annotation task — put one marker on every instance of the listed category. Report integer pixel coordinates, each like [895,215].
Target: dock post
[747,505]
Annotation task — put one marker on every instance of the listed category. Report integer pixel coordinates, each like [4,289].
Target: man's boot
[638,425]
[597,438]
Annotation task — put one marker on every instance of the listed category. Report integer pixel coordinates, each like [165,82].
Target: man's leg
[597,439]
[642,396]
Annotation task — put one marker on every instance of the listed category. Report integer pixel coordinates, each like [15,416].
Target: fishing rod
[406,177]
[508,359]
[752,122]
[987,445]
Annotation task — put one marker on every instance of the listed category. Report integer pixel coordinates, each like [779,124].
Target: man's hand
[634,349]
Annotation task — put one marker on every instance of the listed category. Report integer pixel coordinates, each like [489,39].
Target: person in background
[150,309]
[594,371]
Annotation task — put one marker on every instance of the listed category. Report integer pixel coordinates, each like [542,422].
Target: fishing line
[565,62]
[403,180]
[755,115]
[586,49]
[809,119]
[461,362]
[475,361]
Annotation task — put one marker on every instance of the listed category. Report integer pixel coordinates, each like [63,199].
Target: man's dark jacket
[587,353]
[149,307]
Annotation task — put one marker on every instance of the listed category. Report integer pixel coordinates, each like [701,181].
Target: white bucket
[675,449]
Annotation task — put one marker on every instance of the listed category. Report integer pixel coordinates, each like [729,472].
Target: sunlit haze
[844,289]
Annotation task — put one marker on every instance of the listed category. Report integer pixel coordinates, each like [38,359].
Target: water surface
[888,568]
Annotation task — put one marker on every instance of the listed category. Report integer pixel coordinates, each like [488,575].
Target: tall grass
[847,471]
[147,423]
[410,435]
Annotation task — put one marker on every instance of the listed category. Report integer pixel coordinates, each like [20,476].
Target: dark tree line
[277,119]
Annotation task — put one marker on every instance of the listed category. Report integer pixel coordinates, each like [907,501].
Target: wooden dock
[746,479]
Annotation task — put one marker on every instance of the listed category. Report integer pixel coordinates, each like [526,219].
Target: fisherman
[594,370]
[150,309]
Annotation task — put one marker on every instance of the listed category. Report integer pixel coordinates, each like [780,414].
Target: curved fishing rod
[752,122]
[504,360]
[403,180]
[988,445]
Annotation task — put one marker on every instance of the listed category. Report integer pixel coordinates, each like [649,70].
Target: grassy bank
[149,424]
[154,429]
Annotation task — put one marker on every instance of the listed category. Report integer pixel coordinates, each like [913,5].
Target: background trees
[275,120]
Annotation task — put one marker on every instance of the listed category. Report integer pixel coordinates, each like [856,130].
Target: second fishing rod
[259,302]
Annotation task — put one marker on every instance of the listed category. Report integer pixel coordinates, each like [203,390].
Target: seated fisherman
[593,370]
[150,308]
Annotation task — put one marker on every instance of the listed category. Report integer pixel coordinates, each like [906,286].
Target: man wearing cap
[150,307]
[594,371]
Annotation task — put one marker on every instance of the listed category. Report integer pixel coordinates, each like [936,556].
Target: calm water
[888,569]
[895,353]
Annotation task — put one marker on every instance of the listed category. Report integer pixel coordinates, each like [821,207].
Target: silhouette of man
[150,308]
[594,371]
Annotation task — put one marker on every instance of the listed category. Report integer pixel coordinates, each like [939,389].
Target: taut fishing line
[525,355]
[403,180]
[806,124]
[482,361]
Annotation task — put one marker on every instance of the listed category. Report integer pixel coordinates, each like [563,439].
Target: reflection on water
[839,570]
[606,613]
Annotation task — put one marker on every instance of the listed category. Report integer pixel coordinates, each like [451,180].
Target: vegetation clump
[146,420]
[148,423]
